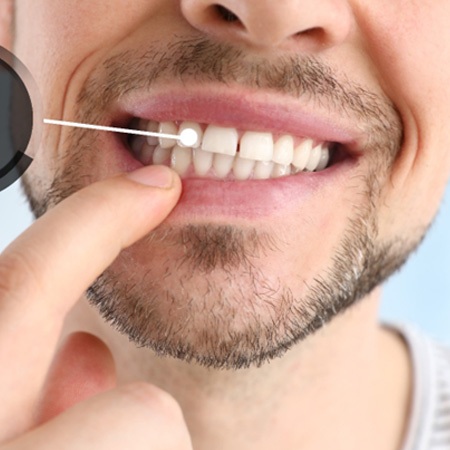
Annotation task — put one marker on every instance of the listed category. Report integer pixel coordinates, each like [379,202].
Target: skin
[393,50]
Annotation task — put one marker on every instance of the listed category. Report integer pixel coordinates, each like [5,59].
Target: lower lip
[252,199]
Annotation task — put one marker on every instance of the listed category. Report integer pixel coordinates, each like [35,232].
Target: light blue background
[420,293]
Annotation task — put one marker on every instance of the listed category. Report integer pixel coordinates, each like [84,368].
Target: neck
[337,389]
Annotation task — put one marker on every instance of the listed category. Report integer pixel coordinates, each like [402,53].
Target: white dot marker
[187,138]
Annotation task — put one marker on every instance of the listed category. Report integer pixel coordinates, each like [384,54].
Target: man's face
[242,269]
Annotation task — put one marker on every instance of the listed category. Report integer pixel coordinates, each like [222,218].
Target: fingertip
[161,177]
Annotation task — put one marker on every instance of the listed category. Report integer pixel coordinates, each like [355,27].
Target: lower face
[254,258]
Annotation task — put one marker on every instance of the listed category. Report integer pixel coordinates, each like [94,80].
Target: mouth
[250,159]
[237,141]
[229,153]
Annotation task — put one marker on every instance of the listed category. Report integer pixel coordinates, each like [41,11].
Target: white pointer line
[187,137]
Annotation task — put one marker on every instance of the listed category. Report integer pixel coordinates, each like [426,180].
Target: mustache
[199,59]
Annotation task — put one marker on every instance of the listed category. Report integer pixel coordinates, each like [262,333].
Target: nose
[307,25]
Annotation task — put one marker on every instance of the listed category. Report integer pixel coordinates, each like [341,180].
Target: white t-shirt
[429,422]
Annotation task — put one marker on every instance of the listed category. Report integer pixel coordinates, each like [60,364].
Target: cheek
[58,43]
[408,41]
[6,12]
[55,38]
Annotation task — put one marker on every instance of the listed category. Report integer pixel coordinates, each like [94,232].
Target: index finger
[47,269]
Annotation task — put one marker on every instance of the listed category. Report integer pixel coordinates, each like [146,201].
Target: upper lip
[244,110]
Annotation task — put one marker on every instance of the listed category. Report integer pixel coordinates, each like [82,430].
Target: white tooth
[167,128]
[256,146]
[243,167]
[314,158]
[137,143]
[283,151]
[222,164]
[181,159]
[202,161]
[161,155]
[263,170]
[280,170]
[302,154]
[324,158]
[153,127]
[193,126]
[146,156]
[220,140]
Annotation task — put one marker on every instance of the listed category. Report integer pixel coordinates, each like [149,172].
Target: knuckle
[161,414]
[154,400]
[18,276]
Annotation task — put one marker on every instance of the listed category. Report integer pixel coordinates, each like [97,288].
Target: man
[235,305]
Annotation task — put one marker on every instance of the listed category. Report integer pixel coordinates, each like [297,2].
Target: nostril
[225,14]
[315,32]
[315,36]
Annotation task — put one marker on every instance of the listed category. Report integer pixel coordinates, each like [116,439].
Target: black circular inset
[16,121]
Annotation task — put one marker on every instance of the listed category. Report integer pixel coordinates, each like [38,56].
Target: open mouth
[229,153]
[256,156]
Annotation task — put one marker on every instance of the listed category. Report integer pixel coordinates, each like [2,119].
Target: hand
[42,275]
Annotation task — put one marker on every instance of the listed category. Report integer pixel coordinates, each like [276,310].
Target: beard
[198,292]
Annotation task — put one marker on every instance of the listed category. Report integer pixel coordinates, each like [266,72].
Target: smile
[253,157]
[229,153]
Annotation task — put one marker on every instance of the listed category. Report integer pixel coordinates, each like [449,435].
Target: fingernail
[154,176]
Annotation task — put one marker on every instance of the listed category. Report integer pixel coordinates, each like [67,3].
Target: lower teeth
[186,161]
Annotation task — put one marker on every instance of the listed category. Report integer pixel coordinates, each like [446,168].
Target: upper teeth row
[257,146]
